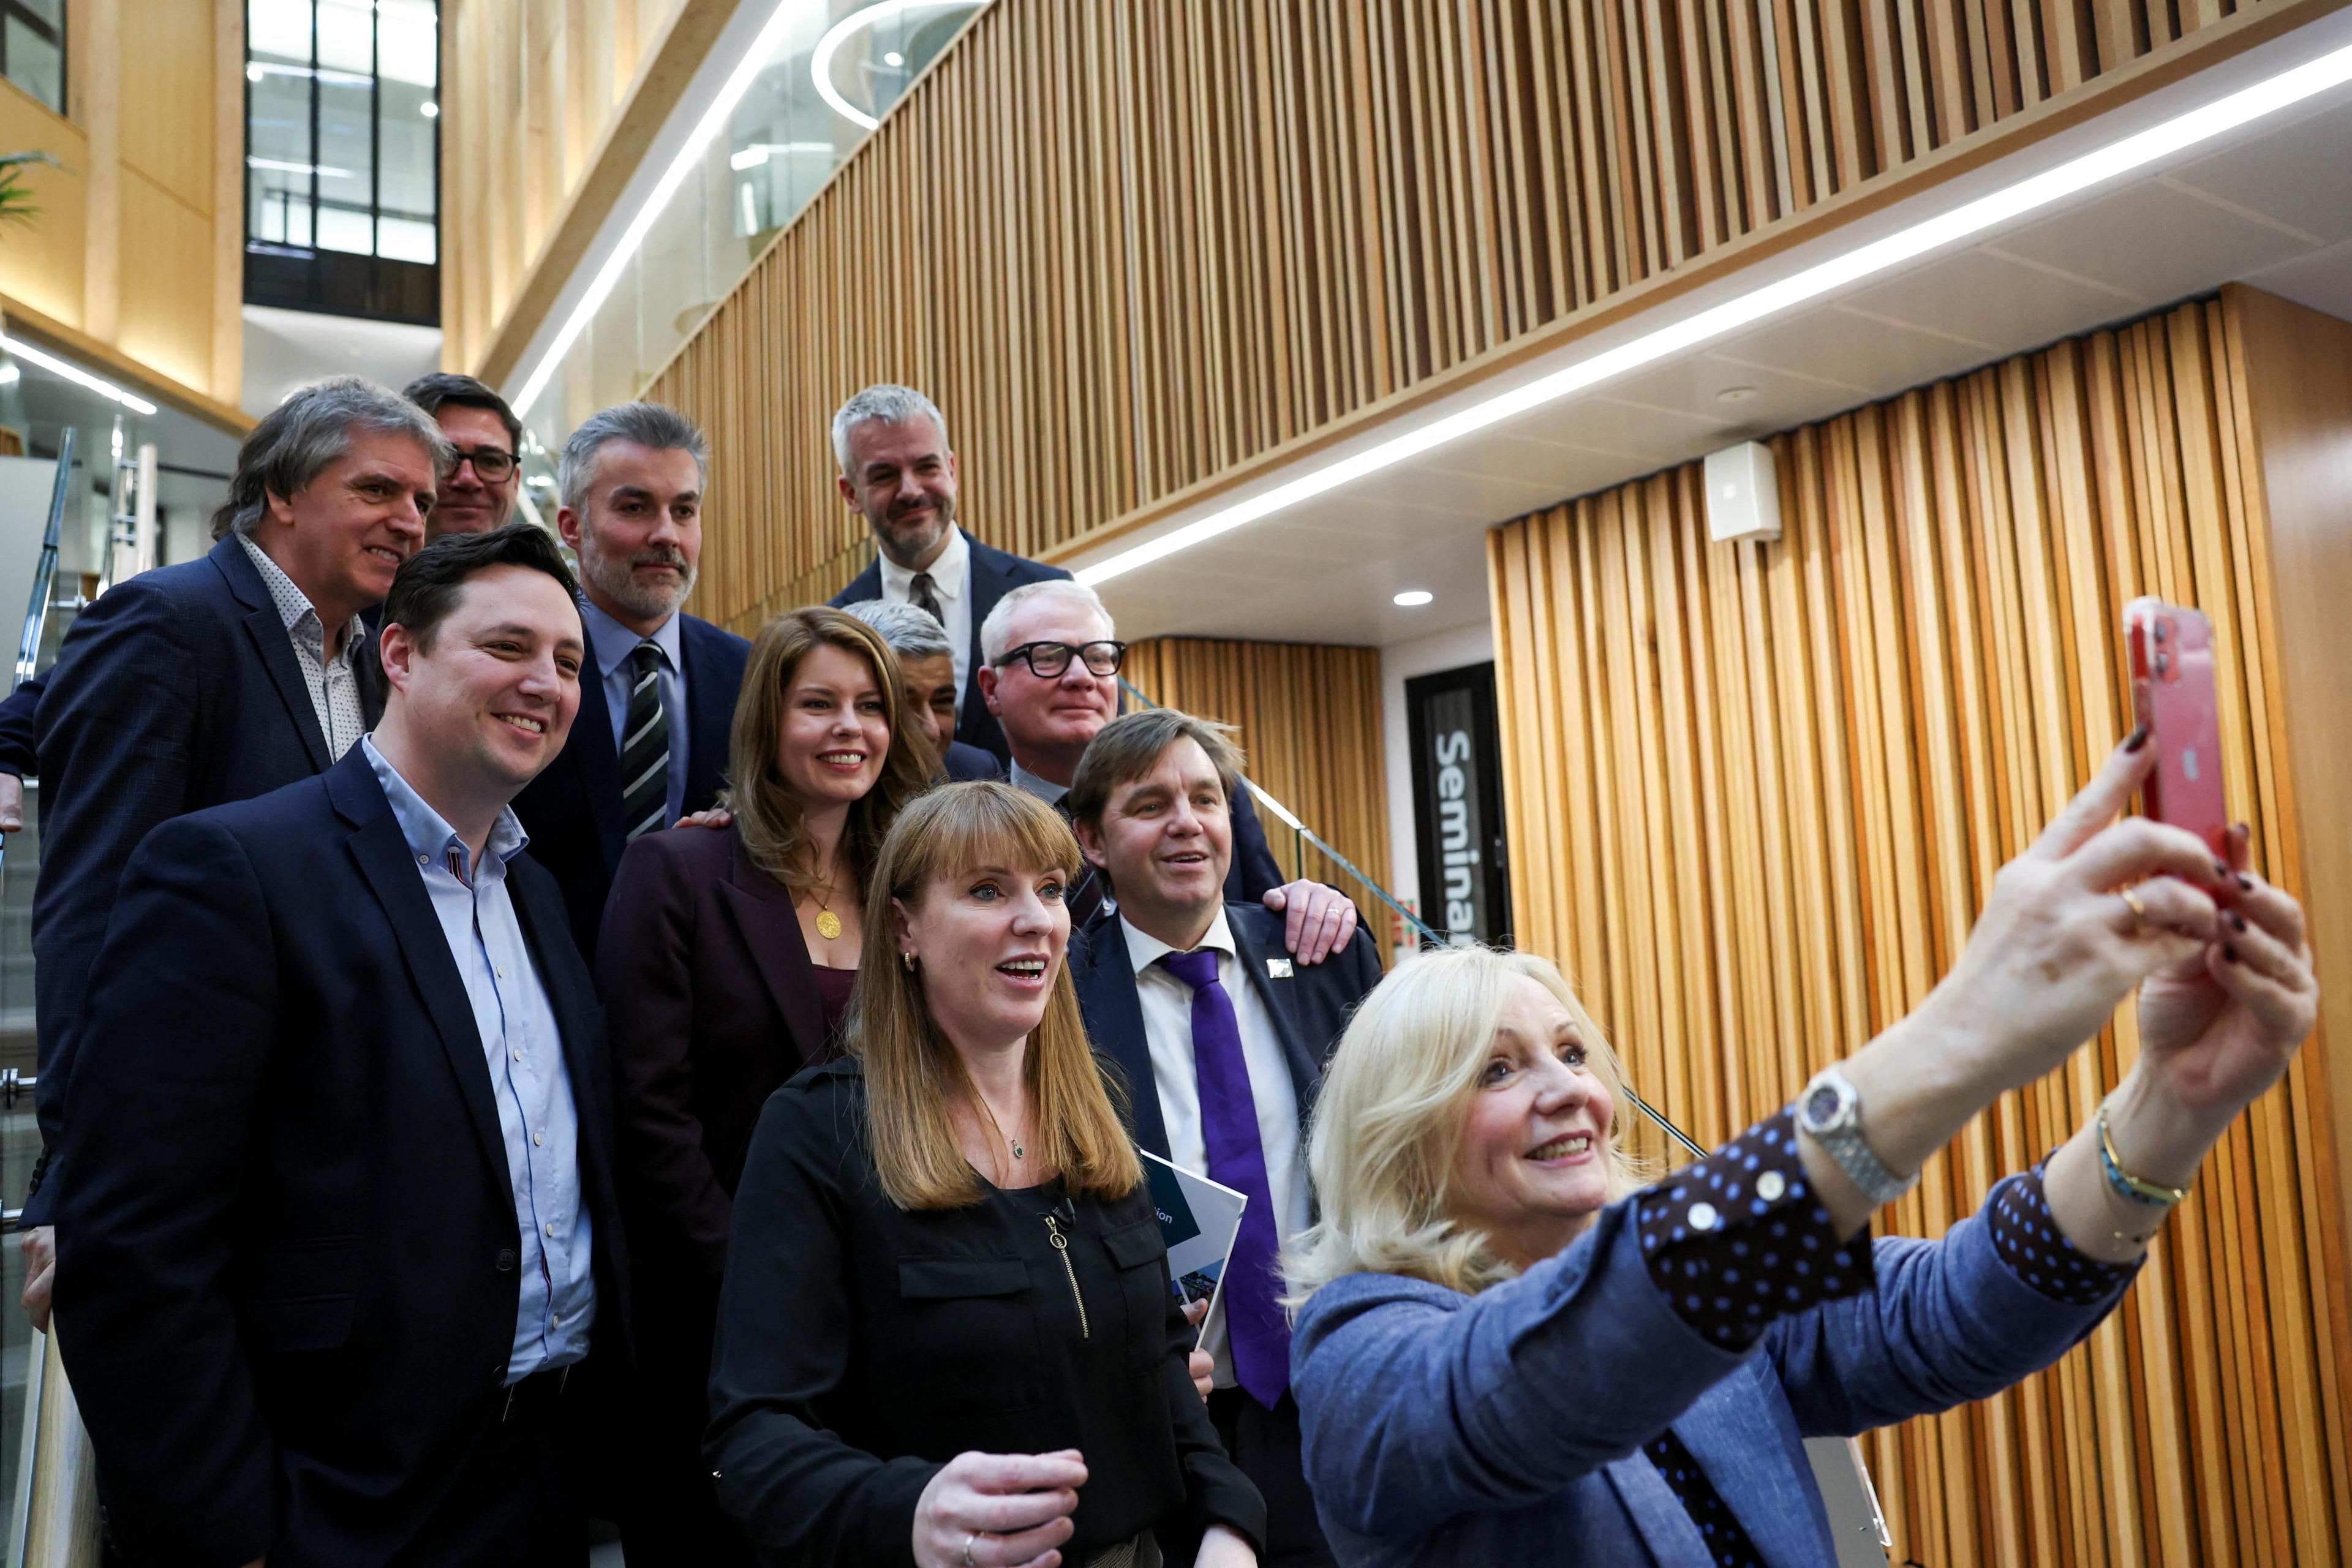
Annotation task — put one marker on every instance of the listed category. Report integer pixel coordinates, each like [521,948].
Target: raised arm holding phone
[1507,1347]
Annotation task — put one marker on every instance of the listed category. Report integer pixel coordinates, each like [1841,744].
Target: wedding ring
[2139,911]
[967,1539]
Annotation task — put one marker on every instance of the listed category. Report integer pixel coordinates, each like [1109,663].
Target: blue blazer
[573,809]
[288,1284]
[964,764]
[176,690]
[1507,1427]
[994,573]
[1310,1006]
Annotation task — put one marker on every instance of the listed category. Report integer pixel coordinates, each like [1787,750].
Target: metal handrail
[36,614]
[1419,925]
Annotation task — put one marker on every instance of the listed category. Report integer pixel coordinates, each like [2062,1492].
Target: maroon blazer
[711,1003]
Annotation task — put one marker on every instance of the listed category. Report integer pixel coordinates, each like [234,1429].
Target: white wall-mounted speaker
[1743,499]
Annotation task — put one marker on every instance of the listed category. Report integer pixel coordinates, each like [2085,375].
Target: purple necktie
[1255,1327]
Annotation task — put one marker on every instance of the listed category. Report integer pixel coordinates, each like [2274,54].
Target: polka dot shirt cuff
[1737,1239]
[2028,1239]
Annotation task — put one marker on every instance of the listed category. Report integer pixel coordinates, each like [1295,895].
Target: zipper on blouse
[1062,1247]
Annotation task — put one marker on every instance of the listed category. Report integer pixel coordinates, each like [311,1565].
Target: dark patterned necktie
[1255,1328]
[920,594]
[644,746]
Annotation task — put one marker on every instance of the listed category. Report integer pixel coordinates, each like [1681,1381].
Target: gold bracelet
[2127,1186]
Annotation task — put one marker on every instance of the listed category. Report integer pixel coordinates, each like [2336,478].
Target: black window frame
[338,282]
[18,11]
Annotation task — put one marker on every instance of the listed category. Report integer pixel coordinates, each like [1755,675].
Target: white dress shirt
[951,586]
[1167,1003]
[333,683]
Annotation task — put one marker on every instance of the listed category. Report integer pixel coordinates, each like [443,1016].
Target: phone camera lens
[2163,630]
[2163,663]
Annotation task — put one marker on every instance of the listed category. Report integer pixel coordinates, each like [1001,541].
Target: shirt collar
[293,604]
[949,572]
[430,837]
[1045,790]
[613,643]
[1144,950]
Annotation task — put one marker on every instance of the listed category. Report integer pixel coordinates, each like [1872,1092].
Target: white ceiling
[287,349]
[2274,207]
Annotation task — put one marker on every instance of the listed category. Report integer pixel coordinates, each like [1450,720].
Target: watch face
[1821,1105]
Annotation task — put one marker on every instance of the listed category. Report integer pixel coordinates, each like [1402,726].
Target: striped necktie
[644,746]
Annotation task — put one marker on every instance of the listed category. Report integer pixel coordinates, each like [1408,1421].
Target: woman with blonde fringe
[1508,1351]
[947,1334]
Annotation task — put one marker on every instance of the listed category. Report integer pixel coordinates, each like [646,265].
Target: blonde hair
[913,1075]
[772,825]
[1389,1121]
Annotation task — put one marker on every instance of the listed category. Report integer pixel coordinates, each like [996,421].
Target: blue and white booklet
[1199,1221]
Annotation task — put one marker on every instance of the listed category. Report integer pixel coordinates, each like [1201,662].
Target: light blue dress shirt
[529,1080]
[613,643]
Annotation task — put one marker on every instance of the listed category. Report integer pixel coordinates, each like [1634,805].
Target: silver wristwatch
[1830,1111]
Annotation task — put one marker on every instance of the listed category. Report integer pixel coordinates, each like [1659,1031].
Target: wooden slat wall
[1756,793]
[1310,717]
[530,88]
[1132,245]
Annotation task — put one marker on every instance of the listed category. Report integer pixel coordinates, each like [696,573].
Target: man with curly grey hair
[900,474]
[216,680]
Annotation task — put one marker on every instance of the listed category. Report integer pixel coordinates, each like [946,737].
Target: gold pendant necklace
[828,925]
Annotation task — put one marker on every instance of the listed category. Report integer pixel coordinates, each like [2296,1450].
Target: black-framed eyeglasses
[1050,660]
[490,463]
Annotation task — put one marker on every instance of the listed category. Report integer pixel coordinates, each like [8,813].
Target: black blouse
[861,1347]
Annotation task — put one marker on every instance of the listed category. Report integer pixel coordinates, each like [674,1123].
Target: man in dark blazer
[1051,719]
[926,665]
[658,696]
[1222,1038]
[900,474]
[480,427]
[341,1230]
[215,680]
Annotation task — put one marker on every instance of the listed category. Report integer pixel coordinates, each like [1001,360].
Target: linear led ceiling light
[74,374]
[849,28]
[2136,150]
[738,82]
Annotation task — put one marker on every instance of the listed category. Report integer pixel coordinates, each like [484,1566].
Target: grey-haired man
[216,681]
[900,474]
[657,700]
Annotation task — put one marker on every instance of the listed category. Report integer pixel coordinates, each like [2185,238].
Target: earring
[909,959]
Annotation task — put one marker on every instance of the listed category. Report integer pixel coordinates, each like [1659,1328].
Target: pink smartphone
[2171,651]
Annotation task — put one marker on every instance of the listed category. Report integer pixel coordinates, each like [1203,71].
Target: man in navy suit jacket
[216,681]
[900,474]
[632,479]
[340,1231]
[1151,807]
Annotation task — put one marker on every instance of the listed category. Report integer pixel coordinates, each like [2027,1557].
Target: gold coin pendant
[828,925]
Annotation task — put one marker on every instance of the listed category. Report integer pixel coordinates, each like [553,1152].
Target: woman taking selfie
[726,959]
[947,1334]
[1505,1354]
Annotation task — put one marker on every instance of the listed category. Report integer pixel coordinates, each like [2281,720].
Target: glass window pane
[347,36]
[343,229]
[277,30]
[277,127]
[33,65]
[408,42]
[53,12]
[405,239]
[278,206]
[404,177]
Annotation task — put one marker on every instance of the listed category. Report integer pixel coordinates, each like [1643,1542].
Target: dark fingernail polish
[2138,739]
[2229,953]
[2238,922]
[2246,882]
[2222,869]
[2240,831]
